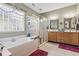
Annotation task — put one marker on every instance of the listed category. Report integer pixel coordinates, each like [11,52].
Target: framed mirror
[73,23]
[78,19]
[54,24]
[69,23]
[77,25]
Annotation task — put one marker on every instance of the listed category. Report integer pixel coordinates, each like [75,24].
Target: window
[32,25]
[11,19]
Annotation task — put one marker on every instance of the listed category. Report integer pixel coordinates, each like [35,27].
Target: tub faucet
[1,49]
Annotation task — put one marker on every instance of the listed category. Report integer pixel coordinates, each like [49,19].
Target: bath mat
[39,53]
[69,47]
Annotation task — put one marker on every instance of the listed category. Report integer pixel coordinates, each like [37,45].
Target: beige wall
[61,12]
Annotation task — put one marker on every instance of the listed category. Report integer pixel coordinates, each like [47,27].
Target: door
[43,32]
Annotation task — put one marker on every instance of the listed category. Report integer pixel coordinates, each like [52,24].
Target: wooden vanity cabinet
[71,38]
[75,40]
[52,36]
[64,37]
[67,37]
[60,37]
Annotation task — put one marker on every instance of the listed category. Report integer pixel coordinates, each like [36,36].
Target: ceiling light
[53,17]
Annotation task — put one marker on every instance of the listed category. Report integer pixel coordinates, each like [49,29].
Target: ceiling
[46,7]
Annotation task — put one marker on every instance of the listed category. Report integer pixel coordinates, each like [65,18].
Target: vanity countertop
[56,30]
[53,30]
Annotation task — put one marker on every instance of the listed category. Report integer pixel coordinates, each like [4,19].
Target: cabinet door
[60,37]
[52,36]
[71,38]
[75,40]
[67,37]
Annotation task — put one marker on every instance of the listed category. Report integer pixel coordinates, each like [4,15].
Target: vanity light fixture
[54,17]
[69,15]
[41,20]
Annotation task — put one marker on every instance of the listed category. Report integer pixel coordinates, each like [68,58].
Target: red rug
[39,53]
[69,47]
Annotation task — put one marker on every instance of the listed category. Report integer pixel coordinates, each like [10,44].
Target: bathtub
[16,42]
[20,46]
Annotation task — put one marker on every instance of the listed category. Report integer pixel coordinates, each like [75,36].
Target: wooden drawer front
[67,37]
[75,40]
[52,36]
[71,38]
[60,37]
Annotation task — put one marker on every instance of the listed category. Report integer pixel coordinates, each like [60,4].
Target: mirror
[73,23]
[69,23]
[53,24]
[77,26]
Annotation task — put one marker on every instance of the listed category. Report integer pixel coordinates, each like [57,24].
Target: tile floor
[53,50]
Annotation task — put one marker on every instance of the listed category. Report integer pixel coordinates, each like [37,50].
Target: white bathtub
[20,41]
[15,41]
[20,44]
